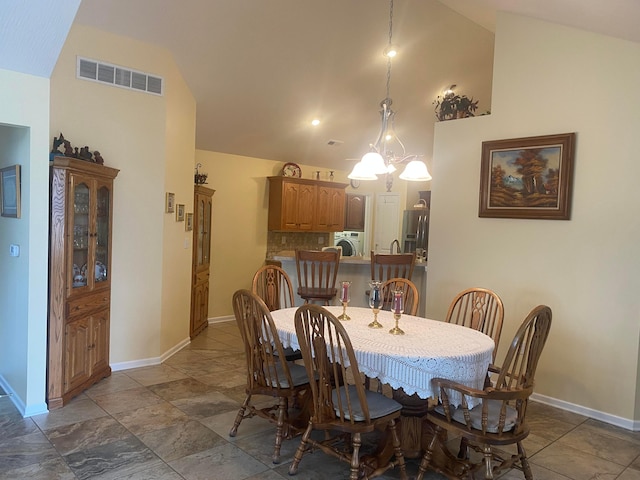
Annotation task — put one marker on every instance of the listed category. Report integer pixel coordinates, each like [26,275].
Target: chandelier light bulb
[315,122]
[390,51]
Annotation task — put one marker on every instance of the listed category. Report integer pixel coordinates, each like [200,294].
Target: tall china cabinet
[202,201]
[79,277]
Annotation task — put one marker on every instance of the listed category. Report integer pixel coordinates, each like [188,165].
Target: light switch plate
[14,250]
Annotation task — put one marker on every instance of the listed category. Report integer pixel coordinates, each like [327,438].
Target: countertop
[290,256]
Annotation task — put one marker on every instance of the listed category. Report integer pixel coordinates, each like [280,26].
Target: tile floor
[170,422]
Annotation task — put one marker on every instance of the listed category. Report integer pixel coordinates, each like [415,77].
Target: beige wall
[240,214]
[550,79]
[151,140]
[23,280]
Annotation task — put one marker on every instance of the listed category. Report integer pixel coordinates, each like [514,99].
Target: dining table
[407,362]
[428,349]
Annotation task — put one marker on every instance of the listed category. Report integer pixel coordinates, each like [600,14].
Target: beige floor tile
[77,410]
[117,382]
[155,374]
[125,400]
[575,464]
[179,440]
[153,417]
[595,441]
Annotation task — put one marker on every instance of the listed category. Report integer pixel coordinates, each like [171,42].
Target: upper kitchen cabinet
[79,277]
[302,205]
[354,213]
[329,209]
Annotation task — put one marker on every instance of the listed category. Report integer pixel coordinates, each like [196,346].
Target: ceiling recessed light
[315,122]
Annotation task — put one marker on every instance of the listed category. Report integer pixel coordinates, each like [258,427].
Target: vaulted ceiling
[261,70]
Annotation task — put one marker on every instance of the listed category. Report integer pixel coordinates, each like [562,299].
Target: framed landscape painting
[527,177]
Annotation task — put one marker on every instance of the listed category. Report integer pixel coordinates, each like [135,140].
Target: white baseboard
[25,411]
[226,318]
[147,362]
[625,423]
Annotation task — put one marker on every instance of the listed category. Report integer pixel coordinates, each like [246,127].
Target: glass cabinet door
[103,203]
[81,224]
[203,229]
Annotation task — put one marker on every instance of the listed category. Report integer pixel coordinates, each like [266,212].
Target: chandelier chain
[390,43]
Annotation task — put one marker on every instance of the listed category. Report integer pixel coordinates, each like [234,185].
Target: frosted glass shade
[361,172]
[374,163]
[416,171]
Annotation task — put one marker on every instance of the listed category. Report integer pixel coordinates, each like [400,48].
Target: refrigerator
[415,231]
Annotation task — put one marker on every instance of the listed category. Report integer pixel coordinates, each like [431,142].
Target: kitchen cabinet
[79,277]
[300,205]
[329,209]
[201,258]
[354,213]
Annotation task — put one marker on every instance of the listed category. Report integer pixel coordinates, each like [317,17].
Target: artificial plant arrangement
[451,105]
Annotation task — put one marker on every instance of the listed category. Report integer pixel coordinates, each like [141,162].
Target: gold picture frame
[170,202]
[527,177]
[10,191]
[180,212]
[188,225]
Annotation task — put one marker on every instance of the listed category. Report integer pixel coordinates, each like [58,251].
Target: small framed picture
[188,225]
[10,191]
[170,202]
[180,212]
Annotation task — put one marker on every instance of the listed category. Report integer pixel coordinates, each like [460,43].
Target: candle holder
[375,301]
[398,308]
[396,330]
[345,298]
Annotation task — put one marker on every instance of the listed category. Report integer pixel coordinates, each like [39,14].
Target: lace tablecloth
[428,349]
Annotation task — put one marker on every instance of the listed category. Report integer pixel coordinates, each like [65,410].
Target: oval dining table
[428,349]
[407,363]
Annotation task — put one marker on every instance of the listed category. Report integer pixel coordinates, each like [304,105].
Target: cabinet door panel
[354,213]
[306,207]
[99,347]
[77,366]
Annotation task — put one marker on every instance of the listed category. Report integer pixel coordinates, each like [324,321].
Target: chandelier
[388,150]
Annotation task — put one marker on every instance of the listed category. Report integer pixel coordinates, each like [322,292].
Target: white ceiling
[261,70]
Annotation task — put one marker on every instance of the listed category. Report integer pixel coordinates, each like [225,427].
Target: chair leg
[488,457]
[356,442]
[397,447]
[240,416]
[526,469]
[464,446]
[426,459]
[283,406]
[293,468]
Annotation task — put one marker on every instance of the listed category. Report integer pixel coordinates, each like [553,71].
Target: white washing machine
[350,243]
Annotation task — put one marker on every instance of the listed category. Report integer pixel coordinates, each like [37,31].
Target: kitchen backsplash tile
[297,240]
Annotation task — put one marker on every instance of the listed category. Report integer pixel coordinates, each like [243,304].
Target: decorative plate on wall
[291,170]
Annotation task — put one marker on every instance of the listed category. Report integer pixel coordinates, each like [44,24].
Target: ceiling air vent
[96,71]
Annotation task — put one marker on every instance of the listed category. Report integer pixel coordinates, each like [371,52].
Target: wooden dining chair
[317,273]
[409,291]
[273,285]
[387,266]
[495,416]
[266,373]
[480,309]
[342,407]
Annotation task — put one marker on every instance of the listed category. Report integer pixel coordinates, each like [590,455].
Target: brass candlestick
[396,330]
[344,315]
[375,323]
[345,296]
